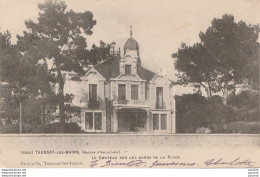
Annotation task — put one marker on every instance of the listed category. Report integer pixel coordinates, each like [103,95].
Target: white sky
[159,26]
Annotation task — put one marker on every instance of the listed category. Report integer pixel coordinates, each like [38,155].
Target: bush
[71,127]
[194,111]
[243,127]
[245,105]
[190,113]
[9,128]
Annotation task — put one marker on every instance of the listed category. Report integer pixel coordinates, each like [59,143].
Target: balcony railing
[160,106]
[131,103]
[92,104]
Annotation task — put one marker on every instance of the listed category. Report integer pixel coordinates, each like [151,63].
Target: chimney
[163,71]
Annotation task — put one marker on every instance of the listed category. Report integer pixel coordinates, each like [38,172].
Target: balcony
[93,104]
[132,103]
[160,106]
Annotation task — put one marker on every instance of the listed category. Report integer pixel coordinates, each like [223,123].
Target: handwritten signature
[133,163]
[235,162]
[141,163]
[138,163]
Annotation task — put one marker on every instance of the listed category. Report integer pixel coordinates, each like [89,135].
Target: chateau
[120,95]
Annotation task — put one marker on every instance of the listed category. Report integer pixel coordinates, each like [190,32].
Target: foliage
[8,106]
[24,78]
[15,69]
[194,111]
[98,54]
[9,128]
[59,36]
[71,127]
[245,105]
[189,115]
[243,127]
[228,52]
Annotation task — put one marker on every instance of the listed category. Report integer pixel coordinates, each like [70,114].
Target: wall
[190,147]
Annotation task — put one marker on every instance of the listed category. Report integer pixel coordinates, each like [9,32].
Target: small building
[120,95]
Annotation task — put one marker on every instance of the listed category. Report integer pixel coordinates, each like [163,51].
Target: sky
[159,26]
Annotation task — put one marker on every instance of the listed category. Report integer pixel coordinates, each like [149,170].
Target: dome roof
[131,44]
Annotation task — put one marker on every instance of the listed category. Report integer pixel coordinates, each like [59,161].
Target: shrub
[243,127]
[10,128]
[194,111]
[71,127]
[245,105]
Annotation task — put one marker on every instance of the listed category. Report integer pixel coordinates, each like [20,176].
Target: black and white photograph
[129,84]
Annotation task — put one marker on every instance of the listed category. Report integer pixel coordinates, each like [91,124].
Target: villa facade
[120,95]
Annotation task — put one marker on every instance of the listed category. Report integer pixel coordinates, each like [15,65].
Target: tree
[222,57]
[98,54]
[16,70]
[59,36]
[196,68]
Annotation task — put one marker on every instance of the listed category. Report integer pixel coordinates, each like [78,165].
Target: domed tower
[131,47]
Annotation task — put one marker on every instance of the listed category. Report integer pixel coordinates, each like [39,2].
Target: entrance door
[133,121]
[129,121]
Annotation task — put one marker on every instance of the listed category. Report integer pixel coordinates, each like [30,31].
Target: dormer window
[128,69]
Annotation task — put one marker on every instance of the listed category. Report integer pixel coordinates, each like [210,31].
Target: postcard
[129,84]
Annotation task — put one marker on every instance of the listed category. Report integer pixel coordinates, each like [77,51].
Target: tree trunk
[225,93]
[209,91]
[234,88]
[43,115]
[21,117]
[61,98]
[43,110]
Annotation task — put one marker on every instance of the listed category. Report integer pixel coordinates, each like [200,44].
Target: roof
[110,69]
[131,44]
[145,73]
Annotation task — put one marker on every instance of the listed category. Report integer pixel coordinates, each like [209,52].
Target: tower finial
[131,32]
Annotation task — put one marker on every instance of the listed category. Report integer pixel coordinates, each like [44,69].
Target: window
[159,121]
[159,97]
[128,69]
[93,121]
[93,92]
[155,121]
[163,121]
[121,91]
[89,121]
[98,121]
[134,92]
